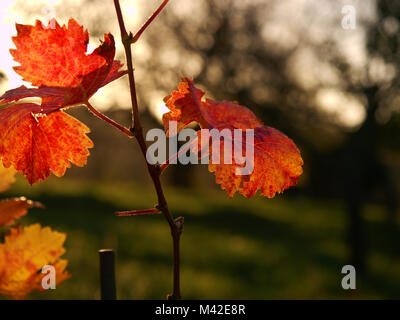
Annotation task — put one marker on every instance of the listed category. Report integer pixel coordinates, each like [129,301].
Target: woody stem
[176,226]
[149,21]
[102,116]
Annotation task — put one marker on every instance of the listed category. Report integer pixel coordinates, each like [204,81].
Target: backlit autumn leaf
[277,161]
[37,144]
[11,209]
[276,167]
[6,177]
[39,139]
[183,106]
[56,61]
[24,253]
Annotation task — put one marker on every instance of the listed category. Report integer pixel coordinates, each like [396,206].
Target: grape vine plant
[38,139]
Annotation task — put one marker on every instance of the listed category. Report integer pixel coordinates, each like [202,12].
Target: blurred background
[333,90]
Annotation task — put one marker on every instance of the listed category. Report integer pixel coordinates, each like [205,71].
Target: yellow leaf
[22,256]
[6,177]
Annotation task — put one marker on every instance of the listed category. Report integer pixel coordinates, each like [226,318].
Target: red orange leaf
[276,167]
[37,144]
[183,106]
[11,209]
[56,61]
[228,115]
[6,177]
[22,256]
[277,161]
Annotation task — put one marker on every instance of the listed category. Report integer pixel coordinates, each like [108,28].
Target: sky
[289,15]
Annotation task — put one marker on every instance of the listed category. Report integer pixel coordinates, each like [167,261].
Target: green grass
[283,248]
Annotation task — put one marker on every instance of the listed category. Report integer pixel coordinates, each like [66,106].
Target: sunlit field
[292,248]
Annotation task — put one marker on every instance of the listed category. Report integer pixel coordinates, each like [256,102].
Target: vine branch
[102,116]
[176,226]
[149,21]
